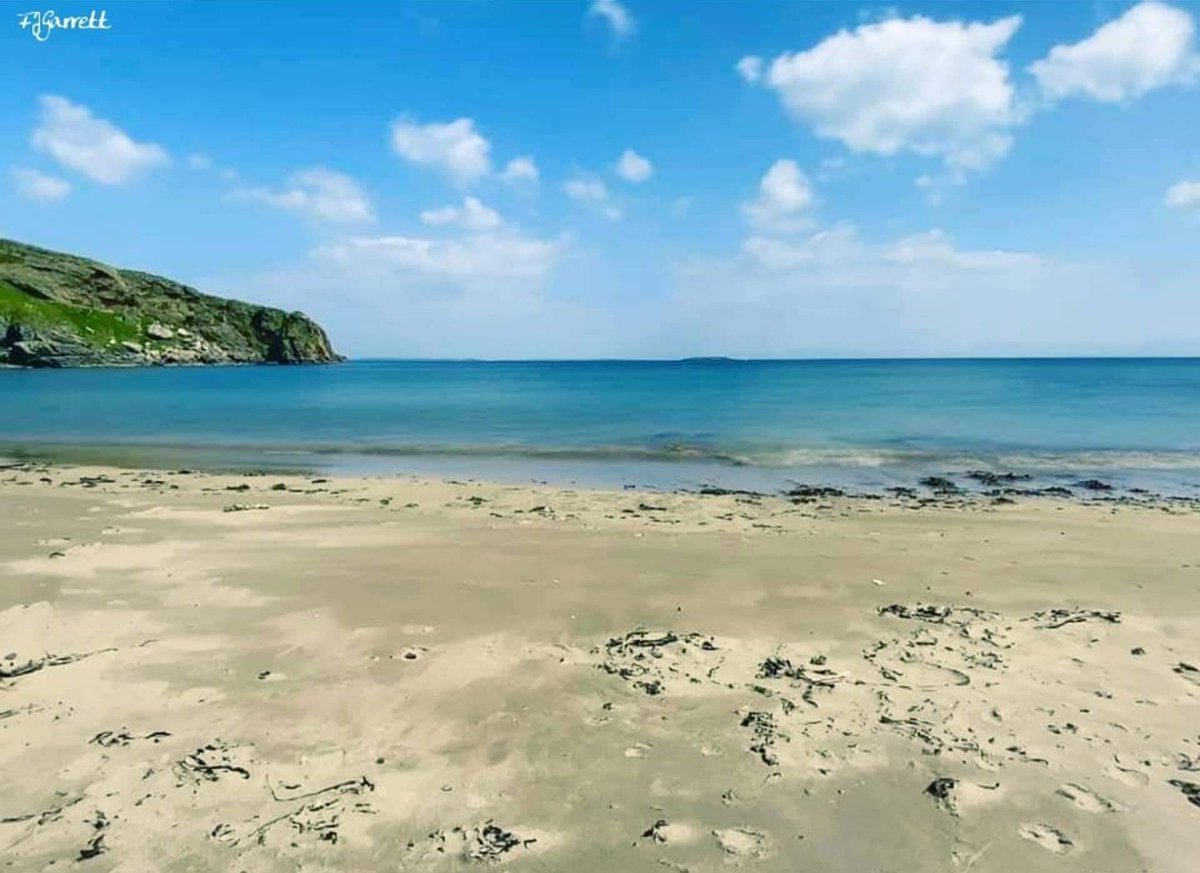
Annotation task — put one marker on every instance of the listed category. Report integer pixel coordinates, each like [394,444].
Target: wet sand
[266,673]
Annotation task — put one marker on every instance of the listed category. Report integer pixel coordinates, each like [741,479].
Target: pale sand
[389,675]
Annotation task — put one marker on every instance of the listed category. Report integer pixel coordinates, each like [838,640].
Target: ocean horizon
[855,423]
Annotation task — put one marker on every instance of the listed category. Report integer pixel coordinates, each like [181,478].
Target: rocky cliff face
[59,310]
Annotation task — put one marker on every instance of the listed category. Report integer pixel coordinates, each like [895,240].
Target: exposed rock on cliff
[60,310]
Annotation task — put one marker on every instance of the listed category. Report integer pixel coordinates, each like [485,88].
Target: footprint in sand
[412,653]
[416,629]
[1086,799]
[1049,838]
[743,843]
[671,833]
[953,795]
[1127,772]
[1188,671]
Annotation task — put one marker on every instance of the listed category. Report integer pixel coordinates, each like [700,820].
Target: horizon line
[739,360]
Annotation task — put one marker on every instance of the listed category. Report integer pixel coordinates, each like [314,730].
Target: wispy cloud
[618,18]
[750,68]
[319,193]
[38,186]
[1183,194]
[522,169]
[480,256]
[472,215]
[633,167]
[594,194]
[93,146]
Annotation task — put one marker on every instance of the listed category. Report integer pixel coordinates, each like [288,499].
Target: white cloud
[934,247]
[617,16]
[750,68]
[36,185]
[520,169]
[586,190]
[935,88]
[455,148]
[93,146]
[839,242]
[1148,47]
[1183,194]
[481,256]
[499,296]
[784,195]
[928,253]
[632,167]
[472,215]
[834,293]
[593,193]
[202,162]
[318,192]
[837,295]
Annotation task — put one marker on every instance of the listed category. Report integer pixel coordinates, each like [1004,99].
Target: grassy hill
[61,310]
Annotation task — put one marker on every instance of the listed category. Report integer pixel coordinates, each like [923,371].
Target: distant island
[62,310]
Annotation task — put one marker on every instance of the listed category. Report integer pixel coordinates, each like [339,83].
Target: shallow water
[760,424]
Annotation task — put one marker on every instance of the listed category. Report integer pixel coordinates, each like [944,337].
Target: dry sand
[269,673]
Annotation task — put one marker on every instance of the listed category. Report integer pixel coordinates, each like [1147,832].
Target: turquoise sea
[739,424]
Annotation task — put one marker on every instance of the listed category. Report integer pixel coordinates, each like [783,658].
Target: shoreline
[859,426]
[270,672]
[953,486]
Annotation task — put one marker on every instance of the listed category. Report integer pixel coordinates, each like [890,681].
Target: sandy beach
[269,673]
[609,436]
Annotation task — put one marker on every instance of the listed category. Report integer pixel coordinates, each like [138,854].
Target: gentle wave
[959,459]
[1023,460]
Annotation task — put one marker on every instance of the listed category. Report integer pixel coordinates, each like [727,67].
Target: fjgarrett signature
[42,24]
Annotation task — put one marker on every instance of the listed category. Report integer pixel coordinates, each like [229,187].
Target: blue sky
[621,179]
